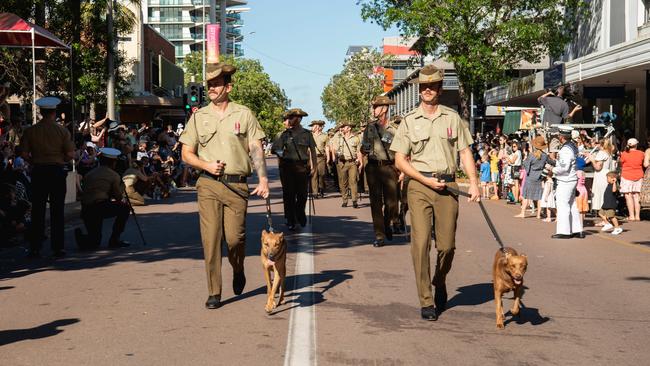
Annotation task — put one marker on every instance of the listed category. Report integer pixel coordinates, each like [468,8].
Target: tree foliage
[193,66]
[348,94]
[483,38]
[80,23]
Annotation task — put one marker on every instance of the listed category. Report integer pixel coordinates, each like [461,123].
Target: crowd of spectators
[150,164]
[515,168]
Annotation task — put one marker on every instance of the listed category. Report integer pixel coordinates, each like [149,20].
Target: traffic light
[186,103]
[202,98]
[194,94]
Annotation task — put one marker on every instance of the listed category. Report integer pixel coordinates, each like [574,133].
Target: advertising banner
[212,46]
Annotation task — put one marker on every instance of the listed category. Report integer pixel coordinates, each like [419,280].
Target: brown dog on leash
[508,275]
[274,259]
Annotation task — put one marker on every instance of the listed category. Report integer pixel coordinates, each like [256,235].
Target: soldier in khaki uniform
[101,199]
[322,158]
[349,163]
[380,171]
[220,139]
[296,149]
[47,146]
[432,136]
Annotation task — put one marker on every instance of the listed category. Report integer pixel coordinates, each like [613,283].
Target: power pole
[110,85]
[222,22]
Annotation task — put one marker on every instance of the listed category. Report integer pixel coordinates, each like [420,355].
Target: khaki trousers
[382,184]
[427,206]
[348,178]
[318,178]
[135,198]
[223,218]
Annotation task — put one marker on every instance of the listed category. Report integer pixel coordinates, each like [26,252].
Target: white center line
[301,340]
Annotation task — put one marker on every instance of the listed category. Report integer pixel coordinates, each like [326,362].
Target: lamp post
[234,42]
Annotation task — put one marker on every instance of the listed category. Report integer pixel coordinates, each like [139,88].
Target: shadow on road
[527,315]
[42,331]
[326,279]
[638,278]
[472,295]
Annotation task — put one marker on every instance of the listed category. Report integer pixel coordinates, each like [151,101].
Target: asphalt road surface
[586,301]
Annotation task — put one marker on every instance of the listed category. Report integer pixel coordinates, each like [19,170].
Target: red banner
[212,45]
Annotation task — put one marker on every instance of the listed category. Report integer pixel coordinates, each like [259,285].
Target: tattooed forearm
[257,154]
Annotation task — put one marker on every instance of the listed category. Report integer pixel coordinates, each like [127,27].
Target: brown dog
[274,258]
[508,275]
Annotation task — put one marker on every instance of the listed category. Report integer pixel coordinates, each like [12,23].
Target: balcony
[171,19]
[163,3]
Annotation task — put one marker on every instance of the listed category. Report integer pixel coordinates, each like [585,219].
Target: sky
[302,44]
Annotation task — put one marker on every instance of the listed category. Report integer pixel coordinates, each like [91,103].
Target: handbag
[515,171]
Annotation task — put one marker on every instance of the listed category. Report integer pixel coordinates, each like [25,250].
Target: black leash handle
[269,221]
[485,215]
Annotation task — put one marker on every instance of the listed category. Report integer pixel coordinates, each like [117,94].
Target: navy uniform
[296,150]
[48,146]
[569,222]
[102,199]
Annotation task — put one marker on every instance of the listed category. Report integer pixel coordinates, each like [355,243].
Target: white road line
[301,340]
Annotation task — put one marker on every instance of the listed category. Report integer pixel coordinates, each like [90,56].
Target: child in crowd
[548,197]
[485,176]
[608,210]
[494,172]
[582,200]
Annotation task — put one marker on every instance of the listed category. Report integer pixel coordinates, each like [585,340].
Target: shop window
[616,22]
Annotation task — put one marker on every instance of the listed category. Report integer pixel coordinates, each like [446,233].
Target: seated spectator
[133,179]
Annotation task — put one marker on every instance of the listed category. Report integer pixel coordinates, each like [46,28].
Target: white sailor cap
[180,125]
[109,152]
[91,144]
[565,130]
[48,102]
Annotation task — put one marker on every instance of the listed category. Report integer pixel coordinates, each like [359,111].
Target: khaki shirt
[347,151]
[290,139]
[377,139]
[48,143]
[131,176]
[321,141]
[101,184]
[432,143]
[226,139]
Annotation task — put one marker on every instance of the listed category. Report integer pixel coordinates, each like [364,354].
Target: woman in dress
[514,162]
[603,163]
[632,178]
[533,166]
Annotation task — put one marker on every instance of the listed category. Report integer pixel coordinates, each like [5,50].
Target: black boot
[440,298]
[429,313]
[214,302]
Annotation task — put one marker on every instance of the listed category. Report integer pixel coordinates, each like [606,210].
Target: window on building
[646,5]
[616,22]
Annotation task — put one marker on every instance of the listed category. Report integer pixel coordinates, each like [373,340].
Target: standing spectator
[582,200]
[632,178]
[608,210]
[49,147]
[645,187]
[548,197]
[514,162]
[603,163]
[494,173]
[485,176]
[533,166]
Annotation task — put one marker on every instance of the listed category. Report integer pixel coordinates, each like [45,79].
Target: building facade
[182,23]
[607,64]
[156,81]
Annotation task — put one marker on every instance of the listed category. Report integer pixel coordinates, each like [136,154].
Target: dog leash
[269,221]
[485,215]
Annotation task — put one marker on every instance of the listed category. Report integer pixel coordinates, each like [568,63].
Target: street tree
[193,66]
[254,88]
[483,38]
[348,94]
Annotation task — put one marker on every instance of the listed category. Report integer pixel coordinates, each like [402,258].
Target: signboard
[212,45]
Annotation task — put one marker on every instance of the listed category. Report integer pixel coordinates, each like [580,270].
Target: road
[348,304]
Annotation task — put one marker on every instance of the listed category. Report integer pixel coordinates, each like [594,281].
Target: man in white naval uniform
[569,224]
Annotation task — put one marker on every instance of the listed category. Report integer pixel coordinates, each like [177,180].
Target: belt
[441,176]
[320,155]
[380,162]
[346,160]
[226,177]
